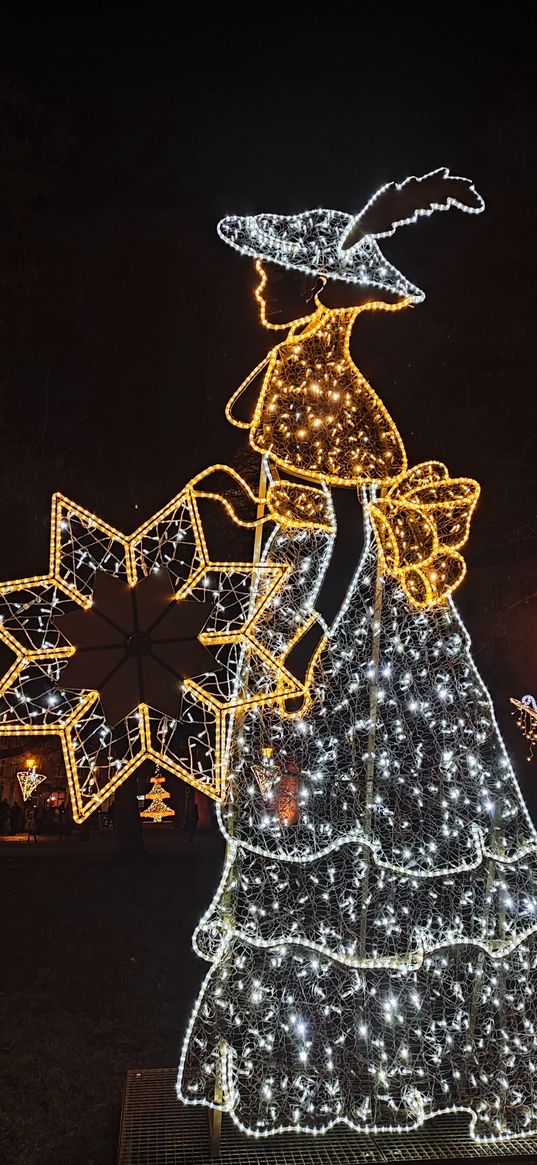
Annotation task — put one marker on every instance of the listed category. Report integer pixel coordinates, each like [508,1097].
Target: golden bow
[420,524]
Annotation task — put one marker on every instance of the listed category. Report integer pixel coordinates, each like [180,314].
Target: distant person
[15,818]
[61,821]
[31,825]
[4,816]
[193,818]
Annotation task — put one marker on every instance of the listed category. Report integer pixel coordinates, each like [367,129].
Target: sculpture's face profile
[284,295]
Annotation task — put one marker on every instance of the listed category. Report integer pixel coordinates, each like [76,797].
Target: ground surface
[97,976]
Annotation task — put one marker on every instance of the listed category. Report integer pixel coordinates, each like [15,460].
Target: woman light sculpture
[373,952]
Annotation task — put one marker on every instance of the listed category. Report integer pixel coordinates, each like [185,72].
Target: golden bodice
[317,416]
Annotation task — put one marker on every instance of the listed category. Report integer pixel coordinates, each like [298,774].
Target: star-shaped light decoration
[167,676]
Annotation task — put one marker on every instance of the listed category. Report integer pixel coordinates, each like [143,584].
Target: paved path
[158,839]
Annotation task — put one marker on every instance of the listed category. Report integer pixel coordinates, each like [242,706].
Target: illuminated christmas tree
[158,795]
[373,941]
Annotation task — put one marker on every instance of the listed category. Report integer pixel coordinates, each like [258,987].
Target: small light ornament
[29,780]
[279,784]
[266,773]
[158,795]
[288,795]
[526,718]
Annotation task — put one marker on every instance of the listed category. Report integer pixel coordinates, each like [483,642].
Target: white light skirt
[372,946]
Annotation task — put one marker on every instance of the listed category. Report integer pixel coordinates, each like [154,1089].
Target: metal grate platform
[156,1129]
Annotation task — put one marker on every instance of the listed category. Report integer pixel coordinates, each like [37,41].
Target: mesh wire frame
[156,1129]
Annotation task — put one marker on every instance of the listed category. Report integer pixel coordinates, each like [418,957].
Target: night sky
[126,323]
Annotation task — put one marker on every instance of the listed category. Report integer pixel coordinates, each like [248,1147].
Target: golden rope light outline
[403,496]
[419,579]
[311,324]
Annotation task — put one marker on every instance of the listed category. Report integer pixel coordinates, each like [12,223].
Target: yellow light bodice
[317,416]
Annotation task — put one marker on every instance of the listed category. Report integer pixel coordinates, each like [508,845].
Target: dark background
[125,322]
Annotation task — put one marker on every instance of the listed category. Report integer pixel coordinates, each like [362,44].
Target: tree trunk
[127,824]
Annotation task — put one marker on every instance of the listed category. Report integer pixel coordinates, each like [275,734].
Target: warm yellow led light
[420,524]
[157,795]
[316,415]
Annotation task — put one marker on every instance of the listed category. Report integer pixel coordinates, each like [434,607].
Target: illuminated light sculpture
[29,780]
[166,570]
[527,719]
[158,795]
[375,963]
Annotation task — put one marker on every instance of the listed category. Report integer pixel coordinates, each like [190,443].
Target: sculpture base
[157,1128]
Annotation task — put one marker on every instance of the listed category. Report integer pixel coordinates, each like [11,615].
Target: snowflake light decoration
[191,744]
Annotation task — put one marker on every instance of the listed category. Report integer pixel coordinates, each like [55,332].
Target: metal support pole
[215,1114]
[370,769]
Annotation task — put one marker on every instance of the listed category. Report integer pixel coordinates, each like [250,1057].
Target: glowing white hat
[343,246]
